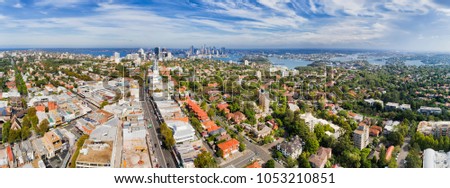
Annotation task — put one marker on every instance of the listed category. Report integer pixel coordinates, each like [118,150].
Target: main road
[163,155]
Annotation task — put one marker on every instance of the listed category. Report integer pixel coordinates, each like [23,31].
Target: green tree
[167,133]
[382,161]
[219,153]
[5,131]
[26,122]
[25,133]
[270,164]
[311,143]
[43,127]
[291,162]
[267,139]
[211,112]
[205,160]
[303,161]
[413,160]
[80,144]
[319,130]
[14,135]
[392,163]
[396,138]
[241,147]
[103,104]
[31,112]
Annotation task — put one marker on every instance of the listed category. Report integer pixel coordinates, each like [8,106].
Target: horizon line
[252,48]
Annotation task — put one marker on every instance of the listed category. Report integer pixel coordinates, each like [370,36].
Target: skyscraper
[158,52]
[191,51]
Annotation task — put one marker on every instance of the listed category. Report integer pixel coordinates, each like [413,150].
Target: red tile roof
[374,132]
[389,152]
[222,106]
[254,165]
[209,124]
[52,105]
[40,108]
[228,144]
[199,112]
[10,153]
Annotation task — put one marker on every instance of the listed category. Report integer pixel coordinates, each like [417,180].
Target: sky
[407,25]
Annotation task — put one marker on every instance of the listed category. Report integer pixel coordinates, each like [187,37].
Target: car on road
[150,125]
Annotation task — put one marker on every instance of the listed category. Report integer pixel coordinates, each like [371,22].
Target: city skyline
[418,25]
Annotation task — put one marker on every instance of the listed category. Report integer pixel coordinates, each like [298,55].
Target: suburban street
[259,151]
[404,150]
[241,161]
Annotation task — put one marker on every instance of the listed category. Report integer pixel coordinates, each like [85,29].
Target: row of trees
[80,144]
[429,141]
[30,122]
[77,75]
[167,133]
[205,160]
[20,83]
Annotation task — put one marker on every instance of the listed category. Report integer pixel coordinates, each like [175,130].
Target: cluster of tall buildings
[142,55]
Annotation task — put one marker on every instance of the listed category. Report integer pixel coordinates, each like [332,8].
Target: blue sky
[415,25]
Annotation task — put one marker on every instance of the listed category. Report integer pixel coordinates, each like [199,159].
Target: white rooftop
[436,159]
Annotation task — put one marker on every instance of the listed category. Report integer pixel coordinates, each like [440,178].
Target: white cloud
[313,6]
[256,17]
[18,5]
[352,23]
[59,3]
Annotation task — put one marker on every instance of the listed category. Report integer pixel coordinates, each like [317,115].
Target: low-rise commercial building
[435,159]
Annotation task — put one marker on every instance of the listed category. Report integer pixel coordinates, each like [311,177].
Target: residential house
[254,165]
[371,102]
[27,151]
[223,107]
[319,160]
[40,149]
[389,126]
[405,107]
[228,147]
[390,106]
[430,110]
[292,148]
[236,117]
[375,131]
[261,131]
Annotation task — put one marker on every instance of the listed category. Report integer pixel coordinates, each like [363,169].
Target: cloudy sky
[418,25]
